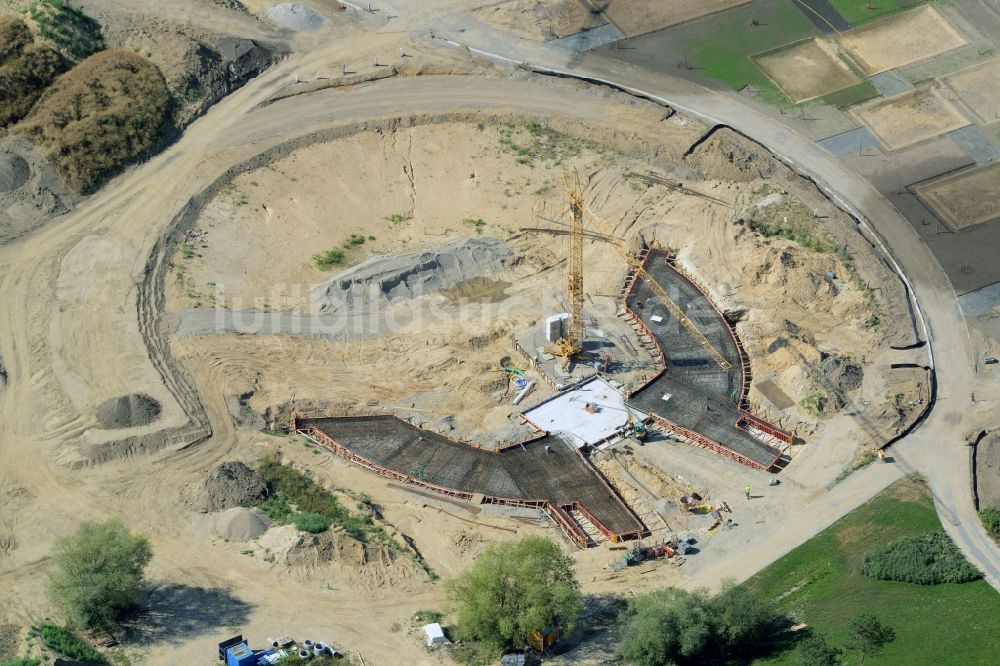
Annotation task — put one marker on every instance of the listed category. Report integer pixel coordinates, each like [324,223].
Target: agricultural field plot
[637,17]
[901,39]
[536,20]
[910,118]
[977,87]
[807,69]
[964,199]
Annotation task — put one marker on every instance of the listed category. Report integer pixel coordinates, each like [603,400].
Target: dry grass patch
[977,86]
[901,39]
[807,69]
[965,199]
[637,17]
[103,114]
[910,118]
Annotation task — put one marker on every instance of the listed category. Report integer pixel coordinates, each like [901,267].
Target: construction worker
[746,490]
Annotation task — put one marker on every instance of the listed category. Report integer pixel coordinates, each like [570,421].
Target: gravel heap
[128,411]
[14,172]
[386,278]
[232,484]
[295,16]
[241,524]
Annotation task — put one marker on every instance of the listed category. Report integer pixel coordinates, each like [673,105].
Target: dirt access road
[937,449]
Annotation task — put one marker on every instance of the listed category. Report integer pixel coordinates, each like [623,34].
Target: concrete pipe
[308,644]
[305,654]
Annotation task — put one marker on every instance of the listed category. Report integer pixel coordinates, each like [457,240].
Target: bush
[26,70]
[991,520]
[428,616]
[98,573]
[815,650]
[676,626]
[67,644]
[927,559]
[22,662]
[103,114]
[512,589]
[72,32]
[314,523]
[329,258]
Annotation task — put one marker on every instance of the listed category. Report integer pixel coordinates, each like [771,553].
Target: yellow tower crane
[571,343]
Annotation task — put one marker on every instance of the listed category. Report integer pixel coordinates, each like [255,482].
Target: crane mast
[572,342]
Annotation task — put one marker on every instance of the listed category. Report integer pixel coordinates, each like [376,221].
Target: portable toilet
[541,640]
[240,655]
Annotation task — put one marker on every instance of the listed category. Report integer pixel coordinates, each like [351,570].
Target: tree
[869,634]
[98,573]
[817,651]
[664,626]
[673,625]
[742,621]
[514,588]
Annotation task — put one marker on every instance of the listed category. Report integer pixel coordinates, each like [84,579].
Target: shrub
[103,114]
[98,573]
[673,625]
[329,258]
[991,520]
[428,616]
[22,662]
[815,650]
[68,28]
[67,644]
[927,559]
[314,523]
[26,70]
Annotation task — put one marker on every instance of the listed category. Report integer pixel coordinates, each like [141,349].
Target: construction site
[466,274]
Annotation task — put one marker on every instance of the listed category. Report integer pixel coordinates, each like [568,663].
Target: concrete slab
[567,413]
[852,141]
[890,83]
[976,144]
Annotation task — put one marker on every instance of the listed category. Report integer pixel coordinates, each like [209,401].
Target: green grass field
[721,46]
[856,11]
[820,583]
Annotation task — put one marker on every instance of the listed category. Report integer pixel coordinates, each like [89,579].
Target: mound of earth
[128,411]
[295,16]
[384,279]
[988,470]
[30,191]
[725,155]
[241,524]
[14,172]
[233,484]
[842,374]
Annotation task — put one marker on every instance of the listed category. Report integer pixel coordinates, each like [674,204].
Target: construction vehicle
[640,554]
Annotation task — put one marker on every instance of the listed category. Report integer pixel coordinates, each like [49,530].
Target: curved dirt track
[69,294]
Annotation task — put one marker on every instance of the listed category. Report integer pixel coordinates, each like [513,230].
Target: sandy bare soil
[901,39]
[637,17]
[910,118]
[72,341]
[976,86]
[807,69]
[965,199]
[539,20]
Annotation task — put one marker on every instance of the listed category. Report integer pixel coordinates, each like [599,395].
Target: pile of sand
[241,524]
[295,16]
[14,172]
[128,411]
[232,484]
[383,279]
